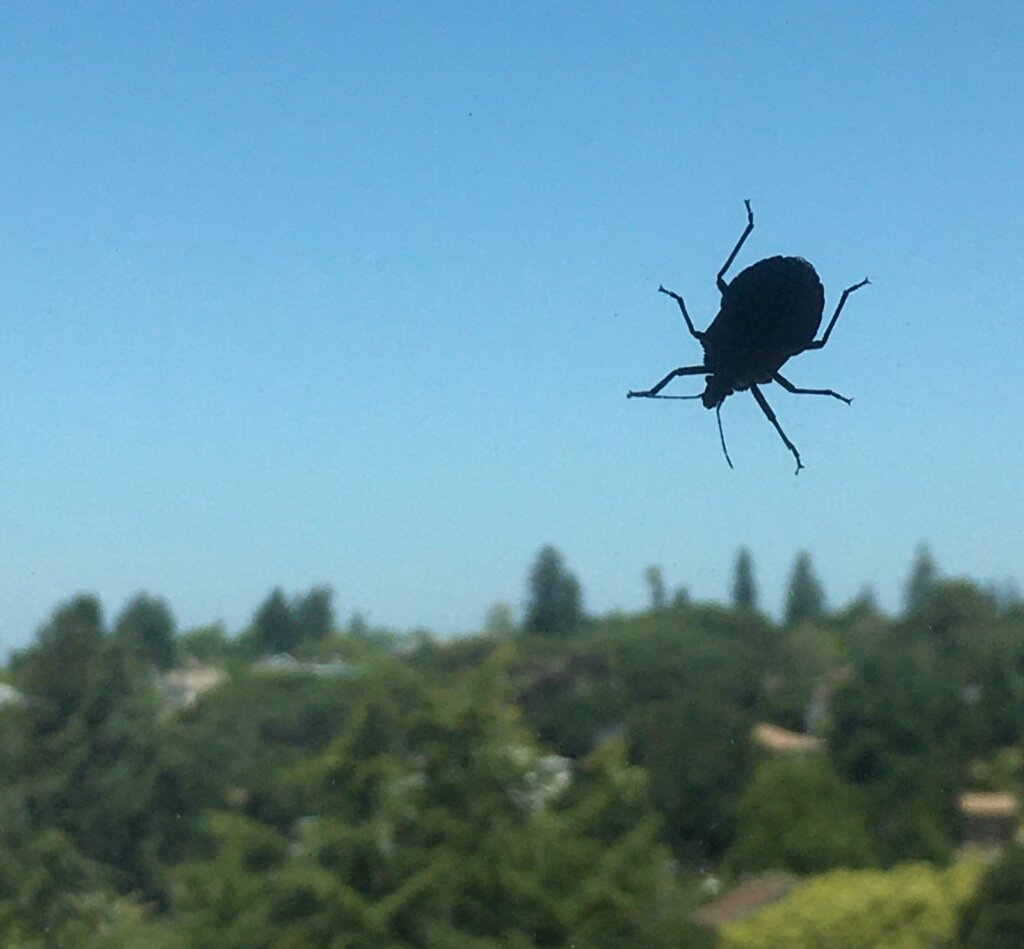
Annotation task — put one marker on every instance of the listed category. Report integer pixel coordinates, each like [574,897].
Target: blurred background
[347,600]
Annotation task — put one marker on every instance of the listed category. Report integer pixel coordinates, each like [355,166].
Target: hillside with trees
[566,780]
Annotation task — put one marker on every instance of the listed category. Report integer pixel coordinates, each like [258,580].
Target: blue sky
[352,294]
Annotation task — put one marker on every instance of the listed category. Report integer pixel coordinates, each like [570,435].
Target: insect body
[769,312]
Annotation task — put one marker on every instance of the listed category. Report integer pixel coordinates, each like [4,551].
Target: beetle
[769,313]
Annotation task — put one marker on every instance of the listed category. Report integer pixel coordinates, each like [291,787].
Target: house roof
[779,739]
[988,804]
[744,900]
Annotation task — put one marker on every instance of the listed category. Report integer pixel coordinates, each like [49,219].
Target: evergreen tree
[555,600]
[57,669]
[499,620]
[896,731]
[924,575]
[146,628]
[656,585]
[805,600]
[433,820]
[313,614]
[744,589]
[274,624]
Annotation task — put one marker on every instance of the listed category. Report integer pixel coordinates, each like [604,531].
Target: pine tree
[146,627]
[656,585]
[555,600]
[923,578]
[274,624]
[313,614]
[744,589]
[806,598]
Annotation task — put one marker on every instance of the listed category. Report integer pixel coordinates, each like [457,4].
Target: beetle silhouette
[770,312]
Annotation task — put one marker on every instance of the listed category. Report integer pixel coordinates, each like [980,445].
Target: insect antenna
[721,434]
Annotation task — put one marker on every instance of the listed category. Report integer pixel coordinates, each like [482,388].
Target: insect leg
[736,249]
[694,332]
[789,387]
[835,316]
[721,434]
[654,390]
[767,409]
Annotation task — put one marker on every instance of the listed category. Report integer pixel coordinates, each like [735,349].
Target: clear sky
[352,294]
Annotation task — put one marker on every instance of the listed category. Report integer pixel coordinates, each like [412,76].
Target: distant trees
[805,598]
[913,907]
[896,733]
[656,587]
[281,625]
[432,819]
[57,670]
[994,917]
[313,614]
[555,601]
[744,589]
[797,814]
[146,628]
[499,619]
[924,575]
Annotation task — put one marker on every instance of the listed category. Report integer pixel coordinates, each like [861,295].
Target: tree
[313,614]
[896,732]
[912,907]
[687,697]
[656,585]
[994,917]
[499,620]
[57,669]
[805,600]
[554,606]
[952,615]
[146,628]
[797,814]
[433,820]
[274,625]
[205,643]
[744,589]
[924,575]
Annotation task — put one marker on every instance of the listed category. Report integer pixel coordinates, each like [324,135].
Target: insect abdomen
[770,311]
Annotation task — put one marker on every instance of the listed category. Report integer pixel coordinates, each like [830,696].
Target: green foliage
[422,798]
[53,896]
[499,620]
[555,605]
[206,644]
[281,625]
[806,658]
[688,691]
[744,588]
[656,587]
[273,626]
[952,614]
[58,671]
[146,628]
[805,598]
[895,732]
[994,917]
[924,574]
[910,907]
[313,614]
[427,824]
[797,814]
